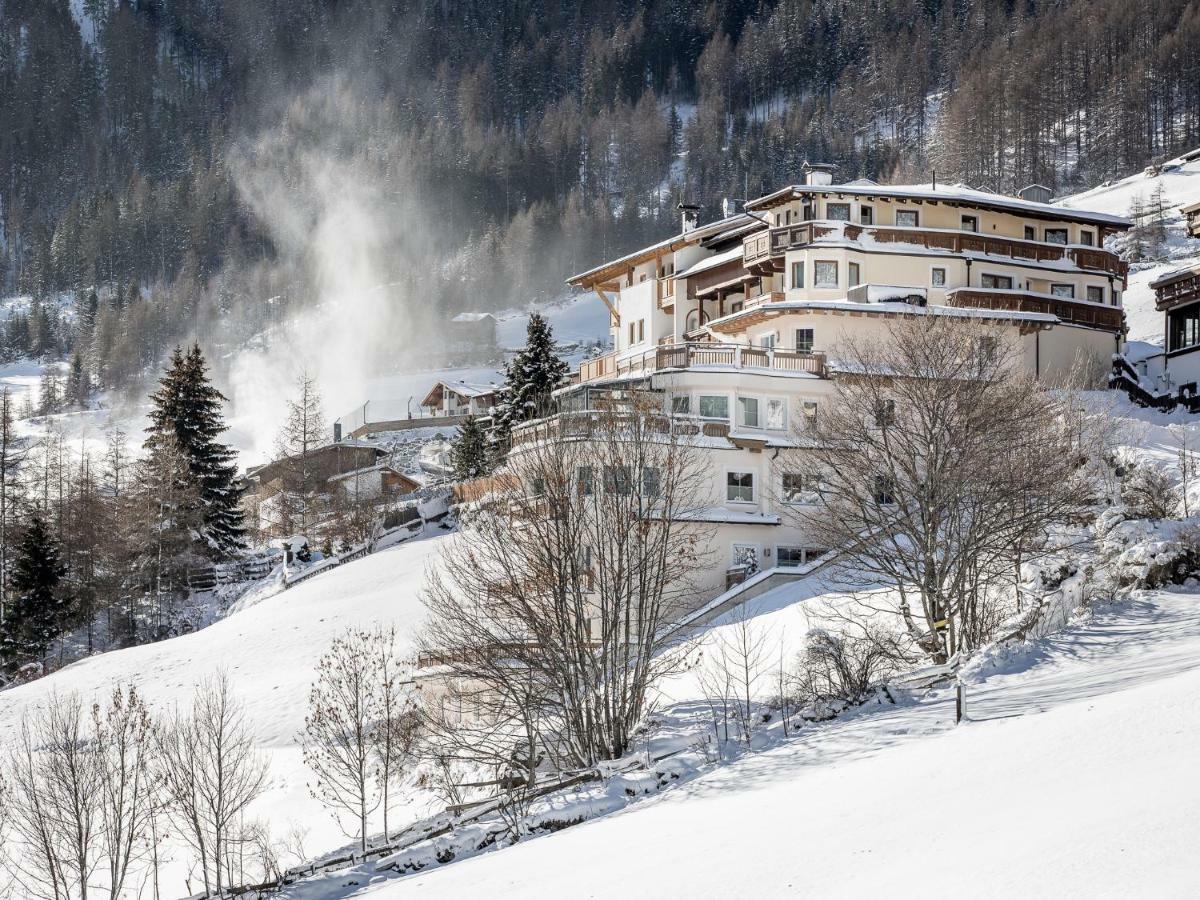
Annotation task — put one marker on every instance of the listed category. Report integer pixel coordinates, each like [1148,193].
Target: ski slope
[1074,778]
[1180,182]
[269,648]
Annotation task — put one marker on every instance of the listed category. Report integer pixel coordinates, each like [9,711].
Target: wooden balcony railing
[759,248]
[1074,312]
[665,292]
[692,355]
[1168,294]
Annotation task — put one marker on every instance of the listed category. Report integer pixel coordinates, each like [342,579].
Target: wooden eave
[759,314]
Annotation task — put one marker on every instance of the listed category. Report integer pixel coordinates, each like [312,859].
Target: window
[937,277]
[1063,290]
[1055,235]
[907,218]
[618,480]
[797,274]
[537,486]
[999,282]
[825,274]
[809,409]
[801,488]
[1095,294]
[852,274]
[885,413]
[739,487]
[681,406]
[714,406]
[789,556]
[767,341]
[776,414]
[632,333]
[838,212]
[866,215]
[651,481]
[748,411]
[1030,233]
[637,332]
[1087,239]
[804,340]
[883,492]
[585,481]
[970,223]
[1183,328]
[641,330]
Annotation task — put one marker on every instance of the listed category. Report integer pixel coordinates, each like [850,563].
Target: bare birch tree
[550,609]
[941,465]
[735,668]
[55,770]
[125,741]
[339,730]
[211,772]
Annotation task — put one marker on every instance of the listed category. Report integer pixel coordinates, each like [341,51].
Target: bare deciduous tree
[125,742]
[211,772]
[549,610]
[55,844]
[941,467]
[735,668]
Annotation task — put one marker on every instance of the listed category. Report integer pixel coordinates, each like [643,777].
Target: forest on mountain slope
[204,168]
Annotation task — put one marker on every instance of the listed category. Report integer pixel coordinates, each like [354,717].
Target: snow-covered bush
[1148,492]
[842,667]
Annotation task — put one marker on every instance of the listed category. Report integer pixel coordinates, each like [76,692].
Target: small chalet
[460,398]
[326,462]
[473,332]
[375,482]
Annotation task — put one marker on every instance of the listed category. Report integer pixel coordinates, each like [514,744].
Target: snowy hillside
[269,649]
[1180,182]
[1072,779]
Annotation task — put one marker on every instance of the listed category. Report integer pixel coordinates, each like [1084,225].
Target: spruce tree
[530,380]
[39,610]
[469,456]
[187,413]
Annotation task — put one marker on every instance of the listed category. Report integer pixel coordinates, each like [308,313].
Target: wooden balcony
[1073,312]
[1176,289]
[759,249]
[665,293]
[693,355]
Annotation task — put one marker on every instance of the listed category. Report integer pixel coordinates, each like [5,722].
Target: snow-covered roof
[700,233]
[947,192]
[712,262]
[1175,275]
[472,317]
[468,389]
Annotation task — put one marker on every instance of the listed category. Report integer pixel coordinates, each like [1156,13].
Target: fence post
[960,701]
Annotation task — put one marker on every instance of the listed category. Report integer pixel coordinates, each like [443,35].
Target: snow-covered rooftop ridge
[472,317]
[952,192]
[694,235]
[470,389]
[712,262]
[1176,274]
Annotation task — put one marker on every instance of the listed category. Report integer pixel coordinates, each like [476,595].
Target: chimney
[690,215]
[818,173]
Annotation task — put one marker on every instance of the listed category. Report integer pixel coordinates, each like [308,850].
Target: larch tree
[302,432]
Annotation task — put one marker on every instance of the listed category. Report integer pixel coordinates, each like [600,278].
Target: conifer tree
[39,610]
[187,414]
[530,380]
[469,456]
